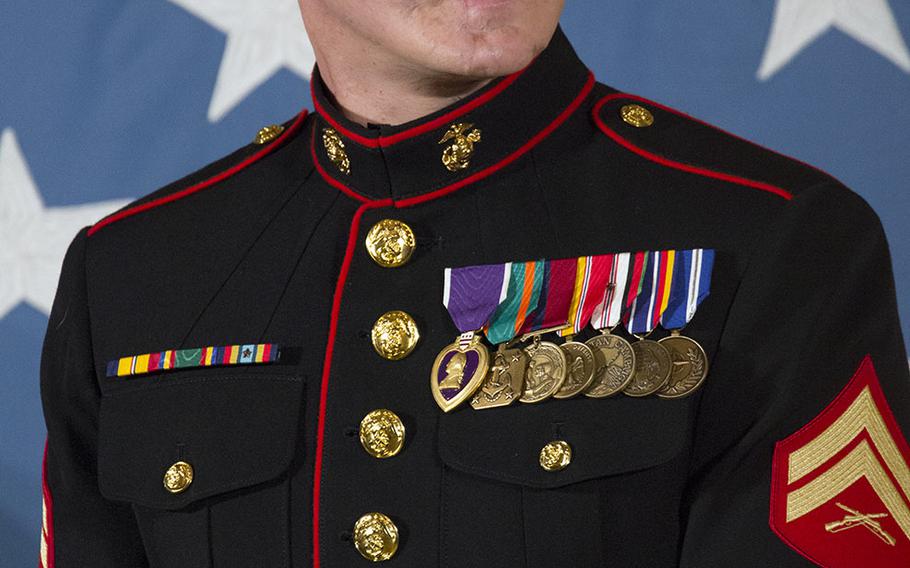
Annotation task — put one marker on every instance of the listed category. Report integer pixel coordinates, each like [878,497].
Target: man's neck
[373,96]
[372,89]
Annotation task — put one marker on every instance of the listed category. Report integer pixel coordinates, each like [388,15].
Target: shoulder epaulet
[676,140]
[267,140]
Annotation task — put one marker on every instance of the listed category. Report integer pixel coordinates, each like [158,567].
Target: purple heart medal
[471,294]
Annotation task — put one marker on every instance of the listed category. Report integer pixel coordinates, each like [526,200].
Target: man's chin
[498,57]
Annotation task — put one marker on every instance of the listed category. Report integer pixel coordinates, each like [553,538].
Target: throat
[394,100]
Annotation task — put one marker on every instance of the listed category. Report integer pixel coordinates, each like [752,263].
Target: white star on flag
[33,238]
[797,23]
[262,38]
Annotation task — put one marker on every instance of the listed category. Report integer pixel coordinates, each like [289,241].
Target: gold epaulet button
[636,115]
[268,133]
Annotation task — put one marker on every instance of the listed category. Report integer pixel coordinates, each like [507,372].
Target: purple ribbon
[472,293]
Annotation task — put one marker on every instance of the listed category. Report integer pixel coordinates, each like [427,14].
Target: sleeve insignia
[840,490]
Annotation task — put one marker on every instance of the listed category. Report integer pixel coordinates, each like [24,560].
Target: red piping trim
[47,521]
[204,184]
[477,176]
[705,172]
[327,363]
[534,141]
[325,175]
[346,265]
[445,119]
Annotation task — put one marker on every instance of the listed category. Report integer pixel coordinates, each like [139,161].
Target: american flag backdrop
[102,101]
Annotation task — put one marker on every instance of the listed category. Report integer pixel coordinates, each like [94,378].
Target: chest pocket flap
[606,436]
[235,430]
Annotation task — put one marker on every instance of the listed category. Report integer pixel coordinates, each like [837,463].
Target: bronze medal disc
[690,366]
[652,368]
[579,369]
[502,385]
[614,365]
[546,371]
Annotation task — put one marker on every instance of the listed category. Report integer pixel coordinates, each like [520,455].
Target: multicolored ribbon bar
[640,289]
[654,293]
[691,285]
[591,281]
[525,283]
[212,356]
[555,296]
[607,312]
[637,275]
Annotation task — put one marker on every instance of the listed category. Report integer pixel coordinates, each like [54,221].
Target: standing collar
[482,131]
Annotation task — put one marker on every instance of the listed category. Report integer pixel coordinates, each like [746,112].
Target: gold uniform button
[395,335]
[268,133]
[376,537]
[390,243]
[178,477]
[637,115]
[556,455]
[382,433]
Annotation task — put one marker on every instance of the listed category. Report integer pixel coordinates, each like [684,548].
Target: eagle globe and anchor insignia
[457,155]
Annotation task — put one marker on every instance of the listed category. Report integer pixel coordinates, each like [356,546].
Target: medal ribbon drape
[592,276]
[472,293]
[664,283]
[607,312]
[691,285]
[555,297]
[654,294]
[525,283]
[637,274]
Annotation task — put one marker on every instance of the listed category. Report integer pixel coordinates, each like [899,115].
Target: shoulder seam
[696,170]
[221,176]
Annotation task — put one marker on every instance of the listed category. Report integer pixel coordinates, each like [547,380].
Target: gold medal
[614,365]
[502,385]
[546,371]
[579,369]
[690,366]
[652,368]
[459,370]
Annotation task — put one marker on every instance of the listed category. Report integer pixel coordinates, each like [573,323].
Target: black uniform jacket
[267,246]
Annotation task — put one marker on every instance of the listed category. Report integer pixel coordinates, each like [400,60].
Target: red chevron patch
[840,490]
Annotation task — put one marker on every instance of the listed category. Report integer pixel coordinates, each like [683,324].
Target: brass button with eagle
[268,133]
[390,243]
[375,537]
[636,115]
[178,477]
[556,455]
[395,335]
[382,433]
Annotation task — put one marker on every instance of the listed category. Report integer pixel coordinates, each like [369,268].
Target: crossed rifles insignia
[849,461]
[856,519]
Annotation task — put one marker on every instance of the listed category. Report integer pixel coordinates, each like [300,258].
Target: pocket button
[556,456]
[178,477]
